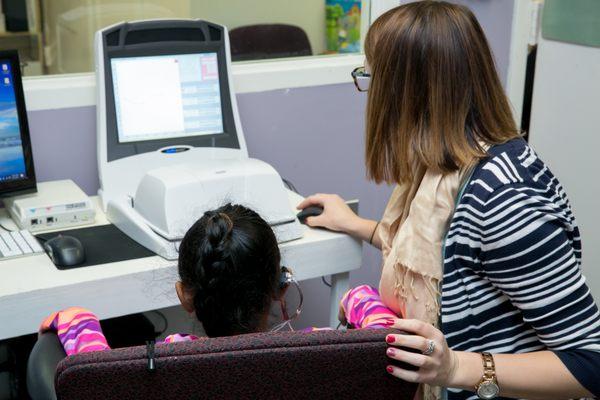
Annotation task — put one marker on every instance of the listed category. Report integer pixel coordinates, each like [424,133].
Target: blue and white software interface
[162,97]
[12,160]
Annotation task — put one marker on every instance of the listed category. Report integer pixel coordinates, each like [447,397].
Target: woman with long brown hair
[481,252]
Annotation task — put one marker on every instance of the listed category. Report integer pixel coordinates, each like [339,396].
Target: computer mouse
[310,211]
[65,251]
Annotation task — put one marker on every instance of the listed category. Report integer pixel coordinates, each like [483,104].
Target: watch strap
[488,380]
[489,368]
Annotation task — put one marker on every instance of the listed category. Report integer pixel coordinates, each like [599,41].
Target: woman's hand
[535,375]
[336,216]
[437,368]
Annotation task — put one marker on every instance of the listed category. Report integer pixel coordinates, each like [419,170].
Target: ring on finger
[430,347]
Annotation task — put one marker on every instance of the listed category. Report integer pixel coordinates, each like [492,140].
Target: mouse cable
[289,185]
[6,229]
[165,322]
[3,221]
[325,281]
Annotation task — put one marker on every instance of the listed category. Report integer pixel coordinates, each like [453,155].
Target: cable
[287,319]
[4,220]
[6,229]
[165,322]
[325,282]
[282,325]
[289,185]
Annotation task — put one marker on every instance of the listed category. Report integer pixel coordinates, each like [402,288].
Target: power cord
[325,282]
[289,185]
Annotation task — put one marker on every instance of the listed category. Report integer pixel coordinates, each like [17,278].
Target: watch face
[487,390]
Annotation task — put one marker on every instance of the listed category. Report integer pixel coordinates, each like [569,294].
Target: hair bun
[218,227]
[217,230]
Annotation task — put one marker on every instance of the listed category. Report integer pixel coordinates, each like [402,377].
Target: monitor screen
[12,158]
[163,97]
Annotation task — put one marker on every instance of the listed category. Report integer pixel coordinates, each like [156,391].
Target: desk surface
[32,287]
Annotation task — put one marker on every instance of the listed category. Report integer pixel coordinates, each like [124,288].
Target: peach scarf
[412,232]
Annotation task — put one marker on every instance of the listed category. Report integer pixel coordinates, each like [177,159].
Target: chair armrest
[41,366]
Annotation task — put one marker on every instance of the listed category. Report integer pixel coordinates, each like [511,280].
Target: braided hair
[230,260]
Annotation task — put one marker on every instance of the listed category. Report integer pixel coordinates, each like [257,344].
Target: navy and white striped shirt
[512,268]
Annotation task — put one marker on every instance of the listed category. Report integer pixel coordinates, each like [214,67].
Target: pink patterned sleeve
[78,330]
[364,309]
[180,337]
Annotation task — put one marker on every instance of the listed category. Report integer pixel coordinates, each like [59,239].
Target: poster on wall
[343,25]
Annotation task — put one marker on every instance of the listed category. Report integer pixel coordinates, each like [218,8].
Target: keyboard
[17,244]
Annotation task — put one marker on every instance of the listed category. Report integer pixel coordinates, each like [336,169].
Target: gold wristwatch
[487,388]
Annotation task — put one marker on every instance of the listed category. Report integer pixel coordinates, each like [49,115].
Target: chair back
[264,41]
[285,365]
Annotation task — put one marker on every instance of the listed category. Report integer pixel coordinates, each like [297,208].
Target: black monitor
[17,174]
[166,84]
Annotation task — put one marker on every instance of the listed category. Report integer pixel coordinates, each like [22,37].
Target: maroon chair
[286,365]
[254,42]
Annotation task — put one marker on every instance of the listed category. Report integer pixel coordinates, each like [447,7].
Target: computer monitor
[164,85]
[167,96]
[17,174]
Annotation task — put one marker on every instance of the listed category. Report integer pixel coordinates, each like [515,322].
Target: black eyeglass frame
[360,72]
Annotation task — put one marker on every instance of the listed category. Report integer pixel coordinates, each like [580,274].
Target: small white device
[57,204]
[17,244]
[170,141]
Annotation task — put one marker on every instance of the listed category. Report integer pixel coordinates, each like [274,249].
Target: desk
[31,287]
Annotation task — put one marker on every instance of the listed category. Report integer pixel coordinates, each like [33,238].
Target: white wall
[565,132]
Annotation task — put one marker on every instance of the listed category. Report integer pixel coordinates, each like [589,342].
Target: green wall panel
[574,21]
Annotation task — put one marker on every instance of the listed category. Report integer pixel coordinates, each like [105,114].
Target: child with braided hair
[230,273]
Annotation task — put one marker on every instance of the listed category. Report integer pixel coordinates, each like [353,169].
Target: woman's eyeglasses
[361,79]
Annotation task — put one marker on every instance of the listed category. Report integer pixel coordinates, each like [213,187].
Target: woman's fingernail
[390,339]
[391,351]
[389,369]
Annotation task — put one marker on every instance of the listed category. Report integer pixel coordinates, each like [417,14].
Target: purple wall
[64,146]
[313,136]
[495,17]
